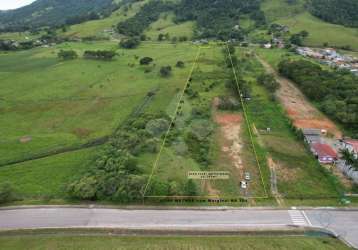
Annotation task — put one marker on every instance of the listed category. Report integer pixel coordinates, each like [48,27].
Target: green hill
[298,18]
[54,13]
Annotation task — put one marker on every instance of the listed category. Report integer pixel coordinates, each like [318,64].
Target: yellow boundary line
[247,120]
[155,165]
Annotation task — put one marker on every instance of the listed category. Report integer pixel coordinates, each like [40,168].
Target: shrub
[145,60]
[67,54]
[129,43]
[166,71]
[6,192]
[269,82]
[99,54]
[180,64]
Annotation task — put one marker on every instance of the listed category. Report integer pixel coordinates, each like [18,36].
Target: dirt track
[298,108]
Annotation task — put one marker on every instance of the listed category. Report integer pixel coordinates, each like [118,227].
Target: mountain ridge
[53,13]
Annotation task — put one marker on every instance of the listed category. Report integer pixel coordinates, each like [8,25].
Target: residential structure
[324,153]
[331,57]
[351,145]
[312,135]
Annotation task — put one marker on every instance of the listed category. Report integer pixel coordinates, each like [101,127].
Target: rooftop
[352,142]
[324,150]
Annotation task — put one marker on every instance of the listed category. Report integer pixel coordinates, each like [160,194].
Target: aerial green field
[48,103]
[176,243]
[165,25]
[45,179]
[99,27]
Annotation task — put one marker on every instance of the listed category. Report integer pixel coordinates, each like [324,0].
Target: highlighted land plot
[207,134]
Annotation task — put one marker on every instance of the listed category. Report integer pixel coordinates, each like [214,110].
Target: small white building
[267,45]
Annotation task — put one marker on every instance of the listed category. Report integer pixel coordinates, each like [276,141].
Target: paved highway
[343,223]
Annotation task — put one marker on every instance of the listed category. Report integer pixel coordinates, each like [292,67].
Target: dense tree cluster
[226,12]
[129,43]
[336,92]
[297,39]
[99,54]
[269,82]
[116,174]
[343,12]
[67,54]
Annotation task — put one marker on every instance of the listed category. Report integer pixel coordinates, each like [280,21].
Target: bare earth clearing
[298,108]
[304,114]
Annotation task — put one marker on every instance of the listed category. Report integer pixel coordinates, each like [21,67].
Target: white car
[247,176]
[243,185]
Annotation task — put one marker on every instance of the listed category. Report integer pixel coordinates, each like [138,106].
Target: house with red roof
[351,145]
[324,153]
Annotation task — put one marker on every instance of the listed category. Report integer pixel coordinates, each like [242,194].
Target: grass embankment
[300,177]
[157,243]
[47,104]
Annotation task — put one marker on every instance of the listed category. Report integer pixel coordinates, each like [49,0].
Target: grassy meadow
[98,27]
[166,25]
[48,104]
[45,179]
[176,243]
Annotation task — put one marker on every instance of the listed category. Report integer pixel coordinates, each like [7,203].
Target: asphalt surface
[342,223]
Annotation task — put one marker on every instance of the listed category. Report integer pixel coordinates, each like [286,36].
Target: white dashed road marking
[298,218]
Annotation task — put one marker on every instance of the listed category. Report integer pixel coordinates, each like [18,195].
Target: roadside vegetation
[176,243]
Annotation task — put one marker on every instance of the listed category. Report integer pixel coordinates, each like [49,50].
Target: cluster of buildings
[327,150]
[331,57]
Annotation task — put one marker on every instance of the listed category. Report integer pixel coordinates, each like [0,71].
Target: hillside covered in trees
[226,12]
[344,12]
[54,13]
[225,25]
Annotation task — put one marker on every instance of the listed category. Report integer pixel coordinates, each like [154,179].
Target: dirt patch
[228,119]
[81,132]
[298,108]
[231,144]
[25,139]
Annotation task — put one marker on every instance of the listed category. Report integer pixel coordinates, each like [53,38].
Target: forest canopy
[344,12]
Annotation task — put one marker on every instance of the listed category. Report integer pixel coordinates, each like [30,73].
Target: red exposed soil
[226,119]
[298,108]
